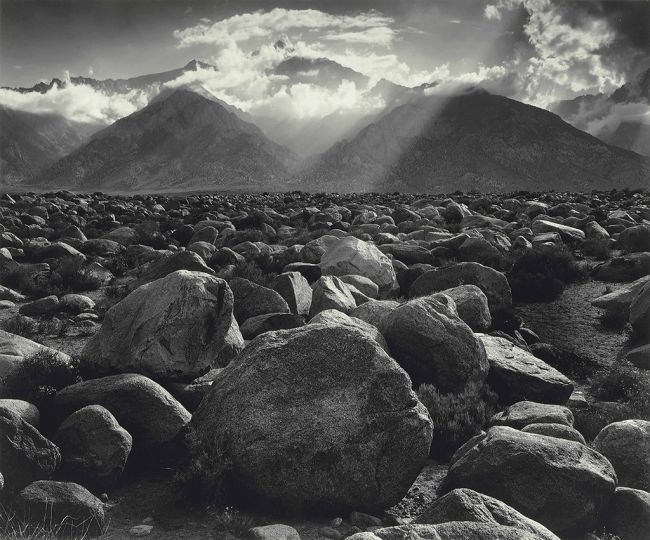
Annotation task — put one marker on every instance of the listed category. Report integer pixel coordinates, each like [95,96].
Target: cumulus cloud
[567,57]
[260,24]
[79,103]
[248,82]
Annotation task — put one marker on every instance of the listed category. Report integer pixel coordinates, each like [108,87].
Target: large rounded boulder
[141,406]
[353,256]
[434,345]
[564,485]
[492,282]
[315,418]
[464,504]
[94,448]
[173,328]
[627,445]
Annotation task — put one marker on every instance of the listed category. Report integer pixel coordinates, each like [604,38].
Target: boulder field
[294,362]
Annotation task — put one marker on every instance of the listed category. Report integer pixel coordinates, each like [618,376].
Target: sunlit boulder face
[353,256]
[316,418]
[173,328]
[564,485]
[434,345]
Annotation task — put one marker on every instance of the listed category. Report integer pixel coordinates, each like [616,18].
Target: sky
[537,51]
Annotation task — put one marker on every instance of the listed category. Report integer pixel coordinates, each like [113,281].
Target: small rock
[141,530]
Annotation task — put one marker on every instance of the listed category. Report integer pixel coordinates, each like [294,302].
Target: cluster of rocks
[290,330]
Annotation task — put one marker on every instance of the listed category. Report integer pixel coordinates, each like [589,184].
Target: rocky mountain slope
[473,141]
[180,140]
[31,142]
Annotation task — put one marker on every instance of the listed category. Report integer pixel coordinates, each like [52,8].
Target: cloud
[381,36]
[261,24]
[79,103]
[248,82]
[567,52]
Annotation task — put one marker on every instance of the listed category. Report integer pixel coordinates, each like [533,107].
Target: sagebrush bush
[21,326]
[627,384]
[33,285]
[231,521]
[67,276]
[599,248]
[117,265]
[203,477]
[252,272]
[614,319]
[540,274]
[456,417]
[39,377]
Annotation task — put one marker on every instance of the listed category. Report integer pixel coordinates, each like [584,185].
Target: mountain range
[420,140]
[444,143]
[180,140]
[620,118]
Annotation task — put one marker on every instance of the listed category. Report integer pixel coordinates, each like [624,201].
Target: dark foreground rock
[72,506]
[317,418]
[141,406]
[564,485]
[25,455]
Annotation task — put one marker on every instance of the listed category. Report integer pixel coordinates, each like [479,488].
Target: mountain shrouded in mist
[180,140]
[30,142]
[621,118]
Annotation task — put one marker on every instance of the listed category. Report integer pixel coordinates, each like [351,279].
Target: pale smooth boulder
[353,256]
[330,292]
[523,413]
[170,329]
[516,374]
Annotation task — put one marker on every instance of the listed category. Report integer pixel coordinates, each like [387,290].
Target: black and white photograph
[325,269]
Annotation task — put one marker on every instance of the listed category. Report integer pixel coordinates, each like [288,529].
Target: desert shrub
[152,239]
[599,248]
[117,265]
[505,319]
[13,526]
[39,376]
[202,479]
[539,275]
[614,319]
[231,521]
[456,417]
[68,276]
[301,237]
[33,285]
[252,272]
[627,384]
[21,326]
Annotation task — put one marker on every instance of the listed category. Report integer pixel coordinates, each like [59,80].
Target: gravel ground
[572,323]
